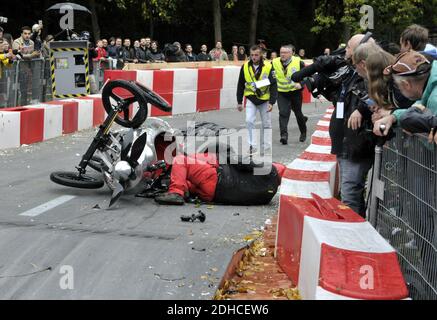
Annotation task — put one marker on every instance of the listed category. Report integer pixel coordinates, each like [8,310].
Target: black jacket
[254,99]
[204,57]
[347,143]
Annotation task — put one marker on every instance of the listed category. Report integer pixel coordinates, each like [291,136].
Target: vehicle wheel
[74,180]
[122,94]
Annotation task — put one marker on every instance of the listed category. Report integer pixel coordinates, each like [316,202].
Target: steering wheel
[121,95]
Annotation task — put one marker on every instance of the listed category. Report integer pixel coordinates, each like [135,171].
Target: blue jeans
[353,183]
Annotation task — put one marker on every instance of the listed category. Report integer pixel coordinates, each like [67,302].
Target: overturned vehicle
[136,157]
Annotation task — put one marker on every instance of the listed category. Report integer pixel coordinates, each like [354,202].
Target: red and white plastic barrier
[327,250]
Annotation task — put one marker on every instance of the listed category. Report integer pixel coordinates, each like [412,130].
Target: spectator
[101,53]
[273,55]
[242,56]
[6,61]
[46,46]
[145,46]
[327,52]
[155,54]
[302,54]
[25,45]
[218,54]
[112,51]
[179,55]
[189,53]
[355,160]
[415,37]
[8,38]
[416,77]
[36,36]
[234,54]
[128,52]
[260,98]
[140,54]
[105,44]
[204,55]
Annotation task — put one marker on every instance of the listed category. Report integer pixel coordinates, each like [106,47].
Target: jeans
[353,182]
[266,128]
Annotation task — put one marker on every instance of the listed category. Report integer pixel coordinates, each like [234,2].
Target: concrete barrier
[327,250]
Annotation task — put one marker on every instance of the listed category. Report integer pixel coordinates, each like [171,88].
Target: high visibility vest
[285,84]
[250,89]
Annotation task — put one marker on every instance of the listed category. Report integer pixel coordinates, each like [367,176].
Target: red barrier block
[208,100]
[163,84]
[318,157]
[210,79]
[129,75]
[314,176]
[322,128]
[292,212]
[343,271]
[31,125]
[321,141]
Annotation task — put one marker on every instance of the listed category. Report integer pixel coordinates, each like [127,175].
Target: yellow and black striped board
[67,71]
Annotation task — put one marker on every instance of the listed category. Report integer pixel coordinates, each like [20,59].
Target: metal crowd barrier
[24,83]
[404,208]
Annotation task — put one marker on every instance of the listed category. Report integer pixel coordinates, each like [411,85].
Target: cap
[408,64]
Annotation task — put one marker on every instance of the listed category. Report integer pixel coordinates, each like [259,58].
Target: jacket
[347,143]
[429,97]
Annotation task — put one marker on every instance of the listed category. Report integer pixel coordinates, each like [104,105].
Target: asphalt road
[138,250]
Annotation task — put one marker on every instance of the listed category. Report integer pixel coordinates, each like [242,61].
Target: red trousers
[197,175]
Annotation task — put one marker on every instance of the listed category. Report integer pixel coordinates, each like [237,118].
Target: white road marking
[47,206]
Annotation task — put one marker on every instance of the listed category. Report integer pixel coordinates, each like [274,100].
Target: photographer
[174,53]
[341,84]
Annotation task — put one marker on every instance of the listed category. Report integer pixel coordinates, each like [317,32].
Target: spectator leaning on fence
[204,55]
[25,45]
[416,77]
[155,55]
[36,36]
[46,46]
[191,57]
[218,54]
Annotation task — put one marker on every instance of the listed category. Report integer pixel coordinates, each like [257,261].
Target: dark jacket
[128,54]
[254,99]
[191,58]
[204,57]
[112,52]
[347,143]
[156,56]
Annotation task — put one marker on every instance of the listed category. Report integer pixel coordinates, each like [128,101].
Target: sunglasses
[403,69]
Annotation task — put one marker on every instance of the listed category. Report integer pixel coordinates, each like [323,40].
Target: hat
[407,64]
[177,44]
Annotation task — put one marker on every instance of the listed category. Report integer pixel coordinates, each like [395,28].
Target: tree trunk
[151,28]
[95,20]
[253,22]
[217,12]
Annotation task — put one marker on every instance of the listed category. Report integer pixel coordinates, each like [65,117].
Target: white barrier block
[145,78]
[228,98]
[303,189]
[85,113]
[231,75]
[319,149]
[53,117]
[323,123]
[10,130]
[360,237]
[321,134]
[319,166]
[184,102]
[185,80]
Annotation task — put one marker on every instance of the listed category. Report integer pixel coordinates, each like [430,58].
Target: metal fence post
[376,187]
[16,84]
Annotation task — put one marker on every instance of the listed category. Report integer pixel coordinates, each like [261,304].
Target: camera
[170,51]
[327,74]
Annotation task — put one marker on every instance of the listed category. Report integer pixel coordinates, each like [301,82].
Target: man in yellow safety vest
[258,85]
[289,93]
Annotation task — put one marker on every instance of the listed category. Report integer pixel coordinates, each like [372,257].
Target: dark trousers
[287,102]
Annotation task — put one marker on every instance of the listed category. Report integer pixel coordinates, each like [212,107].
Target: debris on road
[200,216]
